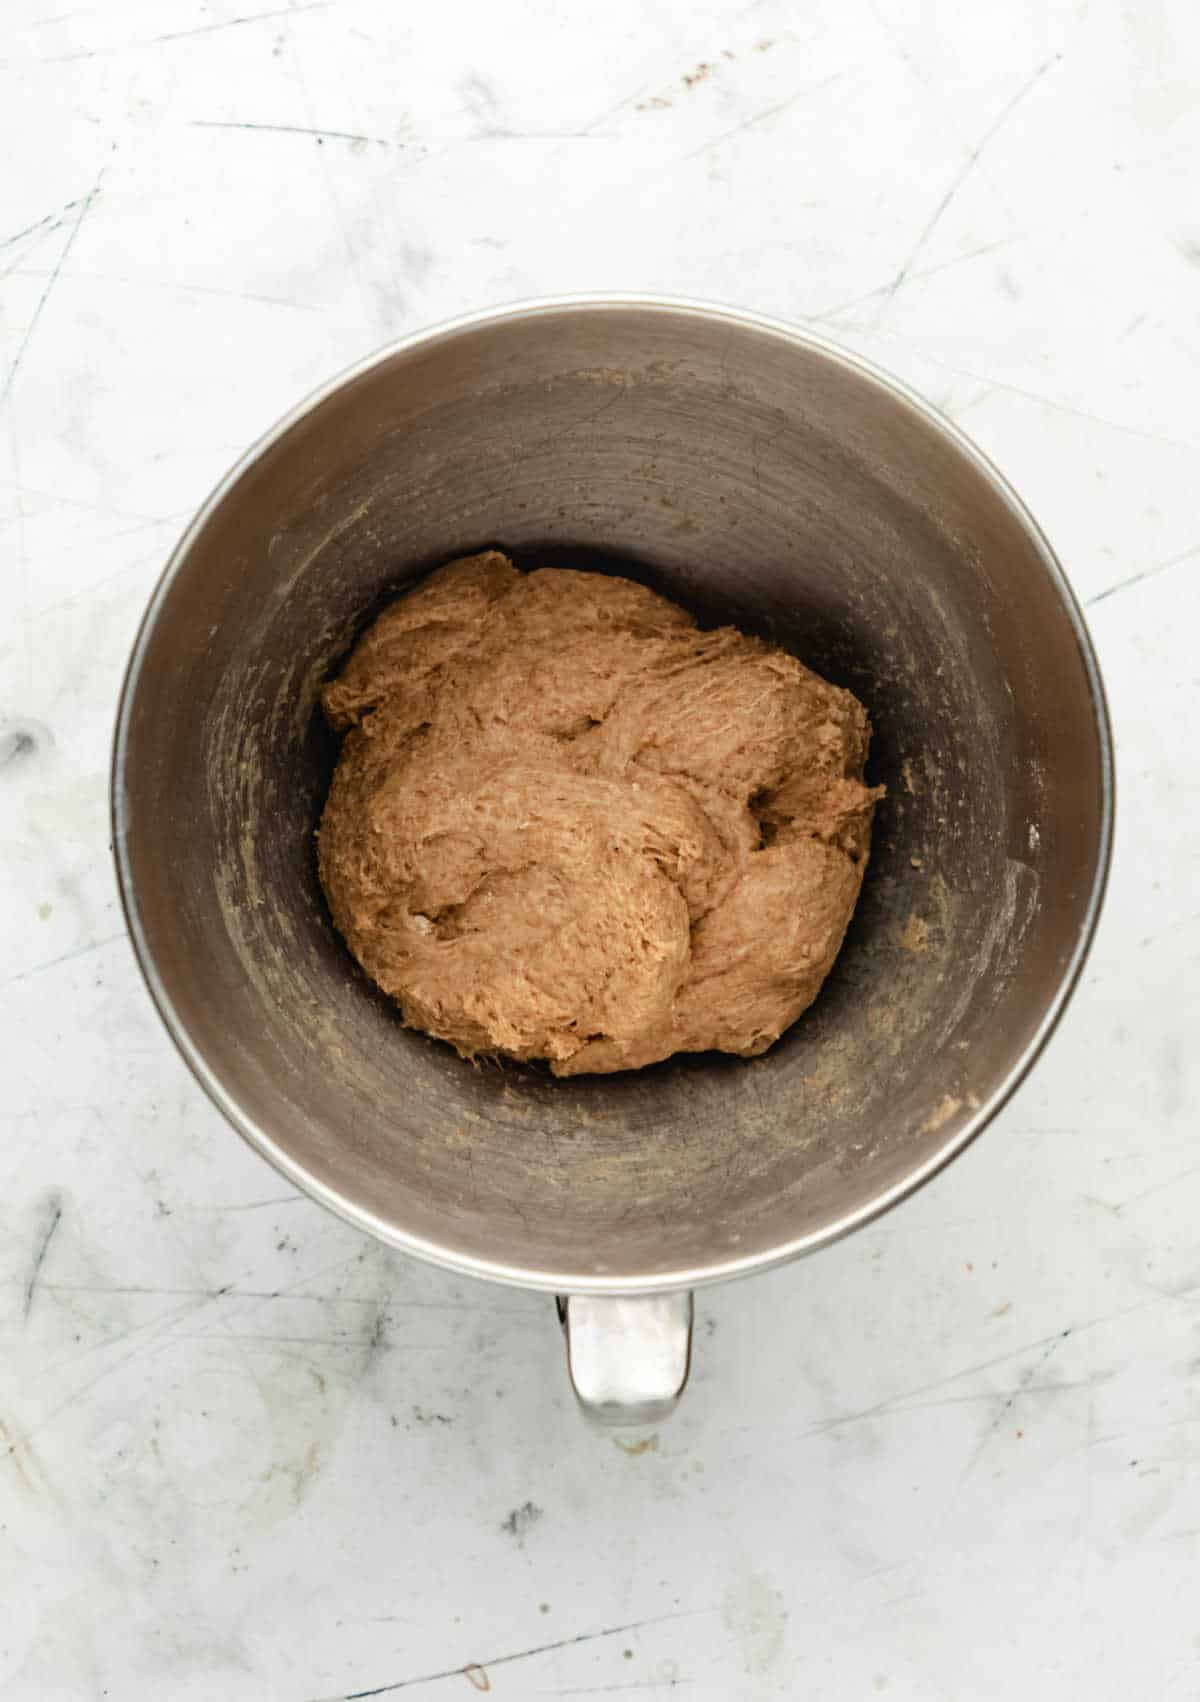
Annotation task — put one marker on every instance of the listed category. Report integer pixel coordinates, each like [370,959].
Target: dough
[567,824]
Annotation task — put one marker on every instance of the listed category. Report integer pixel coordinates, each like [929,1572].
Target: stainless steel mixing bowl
[760,476]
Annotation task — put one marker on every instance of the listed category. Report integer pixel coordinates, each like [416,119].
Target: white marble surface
[246,1456]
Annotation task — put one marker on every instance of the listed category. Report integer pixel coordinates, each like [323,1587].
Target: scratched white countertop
[248,1456]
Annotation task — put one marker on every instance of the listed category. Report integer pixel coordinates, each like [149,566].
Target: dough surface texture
[567,824]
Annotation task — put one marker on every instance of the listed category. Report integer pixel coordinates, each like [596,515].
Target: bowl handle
[628,1355]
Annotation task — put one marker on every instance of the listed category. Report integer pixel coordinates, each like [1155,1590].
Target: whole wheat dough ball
[567,824]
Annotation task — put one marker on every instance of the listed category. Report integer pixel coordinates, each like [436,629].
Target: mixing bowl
[759,476]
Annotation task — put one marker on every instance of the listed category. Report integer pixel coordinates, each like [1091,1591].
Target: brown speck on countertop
[645,1445]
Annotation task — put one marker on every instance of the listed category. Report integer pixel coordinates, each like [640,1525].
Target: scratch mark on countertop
[961,176]
[357,1342]
[631,1684]
[194,1300]
[228,1292]
[288,130]
[255,1205]
[1021,1387]
[914,277]
[897,1402]
[67,957]
[60,499]
[84,208]
[980,1396]
[158,1333]
[763,117]
[51,222]
[508,1660]
[612,110]
[1040,397]
[1139,578]
[172,35]
[1050,1343]
[52,1215]
[332,195]
[1148,1193]
[177,285]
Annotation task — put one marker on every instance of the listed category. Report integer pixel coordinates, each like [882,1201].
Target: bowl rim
[565,1281]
